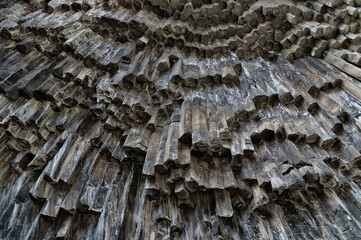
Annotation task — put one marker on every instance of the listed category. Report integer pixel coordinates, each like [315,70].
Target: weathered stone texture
[180,119]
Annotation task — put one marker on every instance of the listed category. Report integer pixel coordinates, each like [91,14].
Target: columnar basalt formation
[180,119]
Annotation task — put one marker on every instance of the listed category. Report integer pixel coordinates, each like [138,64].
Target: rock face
[180,119]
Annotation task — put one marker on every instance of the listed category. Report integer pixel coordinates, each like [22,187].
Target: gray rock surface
[175,119]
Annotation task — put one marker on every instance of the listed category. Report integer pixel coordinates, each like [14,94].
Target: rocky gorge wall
[176,119]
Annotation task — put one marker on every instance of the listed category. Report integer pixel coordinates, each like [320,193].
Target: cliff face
[176,119]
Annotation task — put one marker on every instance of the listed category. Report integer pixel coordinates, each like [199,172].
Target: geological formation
[180,119]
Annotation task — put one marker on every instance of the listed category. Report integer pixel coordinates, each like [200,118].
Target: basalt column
[180,119]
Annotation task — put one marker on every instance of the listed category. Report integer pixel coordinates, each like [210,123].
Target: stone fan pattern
[180,119]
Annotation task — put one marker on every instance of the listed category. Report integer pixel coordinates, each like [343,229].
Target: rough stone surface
[180,119]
